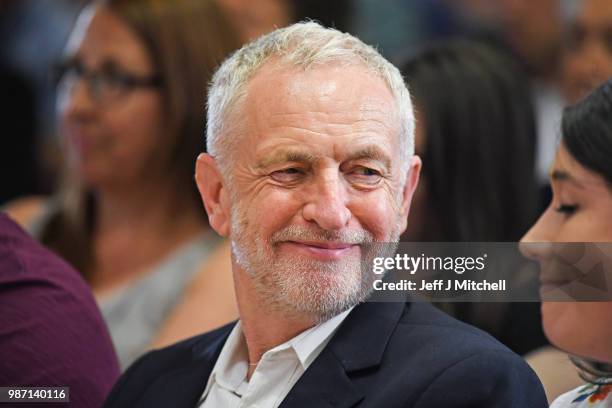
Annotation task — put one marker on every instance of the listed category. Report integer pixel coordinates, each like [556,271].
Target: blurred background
[33,34]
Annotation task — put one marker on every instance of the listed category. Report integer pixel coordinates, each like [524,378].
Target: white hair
[302,45]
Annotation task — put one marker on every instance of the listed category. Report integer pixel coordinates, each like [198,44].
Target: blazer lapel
[325,384]
[179,388]
[359,343]
[184,387]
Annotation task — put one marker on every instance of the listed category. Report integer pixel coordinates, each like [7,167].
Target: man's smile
[322,250]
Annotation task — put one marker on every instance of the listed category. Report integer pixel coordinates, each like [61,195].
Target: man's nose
[537,244]
[327,204]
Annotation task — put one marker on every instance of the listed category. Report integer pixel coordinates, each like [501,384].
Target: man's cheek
[267,214]
[378,216]
[281,204]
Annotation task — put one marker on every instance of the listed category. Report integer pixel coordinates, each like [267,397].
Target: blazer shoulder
[157,363]
[501,378]
[456,359]
[424,320]
[177,354]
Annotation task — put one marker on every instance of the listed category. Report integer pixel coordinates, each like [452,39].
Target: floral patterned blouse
[589,395]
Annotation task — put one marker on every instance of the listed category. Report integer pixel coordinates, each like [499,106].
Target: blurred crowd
[561,46]
[104,110]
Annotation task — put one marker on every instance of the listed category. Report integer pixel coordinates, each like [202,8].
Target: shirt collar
[231,367]
[233,362]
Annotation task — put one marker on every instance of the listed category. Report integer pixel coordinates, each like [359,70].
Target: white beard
[300,285]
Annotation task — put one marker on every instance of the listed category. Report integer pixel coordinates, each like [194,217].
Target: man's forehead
[281,87]
[320,106]
[274,153]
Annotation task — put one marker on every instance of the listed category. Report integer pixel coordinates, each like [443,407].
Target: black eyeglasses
[105,85]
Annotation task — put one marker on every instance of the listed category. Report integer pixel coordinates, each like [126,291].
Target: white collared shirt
[276,373]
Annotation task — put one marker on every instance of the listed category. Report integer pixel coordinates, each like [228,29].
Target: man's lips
[326,250]
[324,244]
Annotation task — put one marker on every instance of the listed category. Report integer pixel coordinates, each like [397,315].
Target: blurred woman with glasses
[131,109]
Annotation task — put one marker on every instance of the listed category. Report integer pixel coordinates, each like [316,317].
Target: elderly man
[310,135]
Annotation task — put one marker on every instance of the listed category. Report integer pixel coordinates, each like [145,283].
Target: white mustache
[298,233]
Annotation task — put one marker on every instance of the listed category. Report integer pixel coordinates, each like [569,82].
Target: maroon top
[51,331]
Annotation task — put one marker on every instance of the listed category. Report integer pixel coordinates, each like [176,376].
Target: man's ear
[412,180]
[214,193]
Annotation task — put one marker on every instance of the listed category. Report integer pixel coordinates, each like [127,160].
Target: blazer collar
[359,343]
[362,339]
[184,386]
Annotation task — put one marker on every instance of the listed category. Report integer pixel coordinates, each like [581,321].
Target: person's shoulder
[427,359]
[202,349]
[39,286]
[456,358]
[177,355]
[20,252]
[424,320]
[38,266]
[450,341]
[52,331]
[25,210]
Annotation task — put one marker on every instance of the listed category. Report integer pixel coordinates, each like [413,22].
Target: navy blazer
[383,355]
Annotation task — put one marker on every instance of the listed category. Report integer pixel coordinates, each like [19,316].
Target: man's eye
[364,175]
[365,172]
[566,209]
[287,175]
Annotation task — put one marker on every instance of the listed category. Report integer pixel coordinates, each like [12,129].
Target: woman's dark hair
[186,40]
[478,172]
[586,131]
[478,159]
